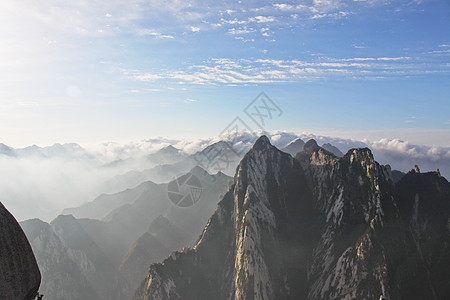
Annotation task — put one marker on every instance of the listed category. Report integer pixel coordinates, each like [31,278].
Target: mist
[41,182]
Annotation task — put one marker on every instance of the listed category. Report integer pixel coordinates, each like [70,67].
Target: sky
[90,71]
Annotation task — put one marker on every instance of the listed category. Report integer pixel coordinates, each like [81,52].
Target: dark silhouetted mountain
[424,204]
[294,147]
[19,273]
[332,149]
[320,227]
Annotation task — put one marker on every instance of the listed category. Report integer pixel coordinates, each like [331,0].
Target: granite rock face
[316,227]
[19,273]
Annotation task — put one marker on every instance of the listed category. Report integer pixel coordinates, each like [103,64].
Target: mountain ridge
[315,227]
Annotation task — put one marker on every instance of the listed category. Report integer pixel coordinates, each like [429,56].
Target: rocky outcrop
[246,250]
[315,227]
[19,273]
[354,196]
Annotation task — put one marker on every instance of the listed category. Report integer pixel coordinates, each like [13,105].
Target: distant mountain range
[316,226]
[307,224]
[105,251]
[38,178]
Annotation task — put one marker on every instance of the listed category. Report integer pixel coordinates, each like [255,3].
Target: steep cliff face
[315,227]
[19,274]
[246,250]
[424,203]
[355,197]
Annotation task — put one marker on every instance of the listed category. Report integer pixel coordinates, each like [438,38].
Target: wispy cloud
[254,71]
[262,19]
[151,32]
[134,16]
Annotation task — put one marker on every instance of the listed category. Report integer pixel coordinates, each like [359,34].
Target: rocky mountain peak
[261,143]
[314,227]
[359,155]
[258,213]
[310,146]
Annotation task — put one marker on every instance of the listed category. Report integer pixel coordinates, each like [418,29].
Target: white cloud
[43,185]
[151,32]
[242,30]
[245,71]
[262,19]
[148,77]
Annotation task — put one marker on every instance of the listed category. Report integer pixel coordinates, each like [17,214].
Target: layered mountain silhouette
[107,257]
[161,238]
[316,226]
[217,157]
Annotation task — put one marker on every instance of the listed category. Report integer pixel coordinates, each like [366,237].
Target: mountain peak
[169,148]
[360,154]
[64,218]
[310,146]
[332,149]
[294,147]
[262,143]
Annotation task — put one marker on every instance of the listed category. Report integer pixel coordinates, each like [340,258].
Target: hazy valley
[303,222]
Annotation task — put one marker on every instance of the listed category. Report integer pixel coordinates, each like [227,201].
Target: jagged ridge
[319,227]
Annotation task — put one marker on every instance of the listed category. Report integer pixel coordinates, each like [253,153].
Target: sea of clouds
[41,182]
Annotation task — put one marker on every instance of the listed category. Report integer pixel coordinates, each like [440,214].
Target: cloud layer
[244,71]
[41,182]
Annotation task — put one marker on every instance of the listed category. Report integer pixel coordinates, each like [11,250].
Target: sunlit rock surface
[316,227]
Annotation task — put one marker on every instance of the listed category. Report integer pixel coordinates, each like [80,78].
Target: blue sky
[89,71]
